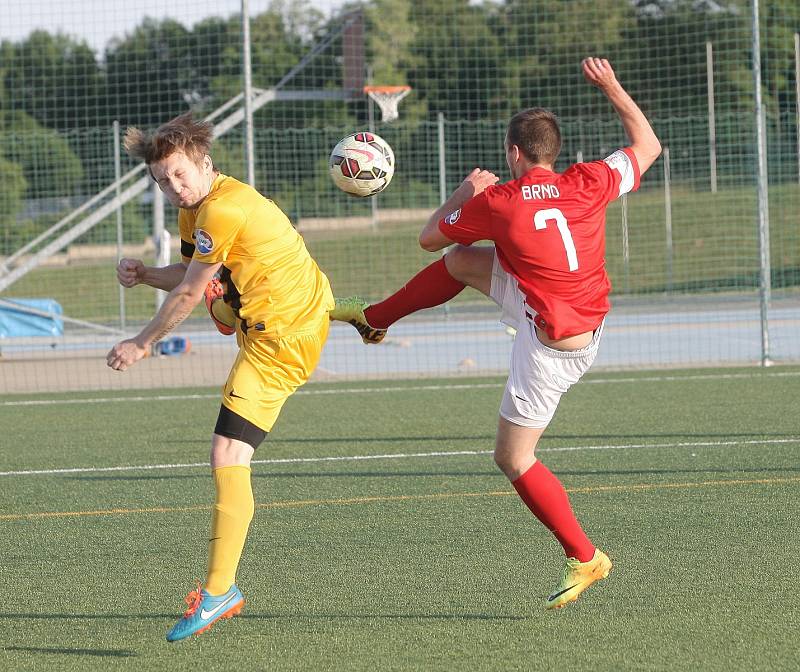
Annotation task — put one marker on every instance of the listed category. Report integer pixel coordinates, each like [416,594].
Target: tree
[390,50]
[53,78]
[459,59]
[780,20]
[217,62]
[45,160]
[280,38]
[151,74]
[14,186]
[548,42]
[12,179]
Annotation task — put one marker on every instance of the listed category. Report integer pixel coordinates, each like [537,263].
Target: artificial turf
[689,480]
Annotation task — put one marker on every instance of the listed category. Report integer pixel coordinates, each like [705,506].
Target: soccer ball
[362,164]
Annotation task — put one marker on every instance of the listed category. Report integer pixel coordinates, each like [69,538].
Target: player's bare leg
[227,452]
[515,447]
[471,265]
[544,495]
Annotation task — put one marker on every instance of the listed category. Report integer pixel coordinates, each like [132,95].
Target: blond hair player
[280,300]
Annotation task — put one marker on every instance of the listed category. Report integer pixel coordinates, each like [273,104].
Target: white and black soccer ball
[362,164]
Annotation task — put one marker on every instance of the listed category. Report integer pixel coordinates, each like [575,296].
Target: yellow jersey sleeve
[216,230]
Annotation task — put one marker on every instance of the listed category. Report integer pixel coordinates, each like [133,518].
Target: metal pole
[248,95]
[371,118]
[797,96]
[712,131]
[626,254]
[120,237]
[763,210]
[158,235]
[442,162]
[442,186]
[668,217]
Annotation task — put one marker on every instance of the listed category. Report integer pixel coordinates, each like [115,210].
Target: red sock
[547,499]
[432,286]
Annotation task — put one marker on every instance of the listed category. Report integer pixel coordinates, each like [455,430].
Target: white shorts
[538,375]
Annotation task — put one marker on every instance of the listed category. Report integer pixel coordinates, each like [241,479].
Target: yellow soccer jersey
[272,283]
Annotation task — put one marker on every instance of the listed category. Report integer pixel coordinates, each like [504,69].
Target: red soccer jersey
[549,233]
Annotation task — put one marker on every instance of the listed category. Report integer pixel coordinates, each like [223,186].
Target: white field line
[400,388]
[398,456]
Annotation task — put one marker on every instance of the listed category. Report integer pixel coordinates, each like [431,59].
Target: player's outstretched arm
[432,238]
[176,307]
[644,143]
[132,272]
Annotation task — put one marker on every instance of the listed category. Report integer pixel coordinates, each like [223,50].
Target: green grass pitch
[689,480]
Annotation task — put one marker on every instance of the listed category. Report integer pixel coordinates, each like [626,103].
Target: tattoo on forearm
[172,313]
[173,321]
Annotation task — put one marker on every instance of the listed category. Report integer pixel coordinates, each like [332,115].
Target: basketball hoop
[388,98]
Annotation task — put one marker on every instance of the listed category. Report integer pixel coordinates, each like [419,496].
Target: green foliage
[14,186]
[475,61]
[391,35]
[137,225]
[48,163]
[229,156]
[390,38]
[153,65]
[459,58]
[550,77]
[781,20]
[53,78]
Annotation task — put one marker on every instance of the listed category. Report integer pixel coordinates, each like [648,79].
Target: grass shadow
[385,617]
[102,653]
[246,616]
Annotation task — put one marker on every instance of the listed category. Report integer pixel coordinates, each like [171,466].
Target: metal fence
[705,259]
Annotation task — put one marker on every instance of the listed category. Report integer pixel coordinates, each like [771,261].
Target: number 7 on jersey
[540,220]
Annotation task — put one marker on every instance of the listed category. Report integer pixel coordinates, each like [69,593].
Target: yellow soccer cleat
[578,576]
[351,310]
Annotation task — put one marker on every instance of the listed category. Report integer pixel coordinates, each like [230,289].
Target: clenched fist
[125,354]
[130,272]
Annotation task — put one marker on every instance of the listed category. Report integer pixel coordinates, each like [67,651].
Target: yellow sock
[233,511]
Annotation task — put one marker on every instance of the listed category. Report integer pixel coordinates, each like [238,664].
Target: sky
[97,21]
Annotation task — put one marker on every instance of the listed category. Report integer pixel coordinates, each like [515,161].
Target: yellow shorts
[266,372]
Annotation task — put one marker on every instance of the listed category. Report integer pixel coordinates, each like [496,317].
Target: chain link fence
[694,282]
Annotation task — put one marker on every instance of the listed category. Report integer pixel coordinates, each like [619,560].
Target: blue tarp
[15,322]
